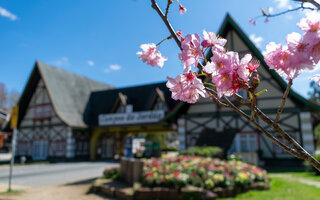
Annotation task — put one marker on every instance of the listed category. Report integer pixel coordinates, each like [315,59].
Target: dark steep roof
[140,97]
[68,92]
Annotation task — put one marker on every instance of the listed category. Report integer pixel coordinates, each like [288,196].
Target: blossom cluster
[303,51]
[200,172]
[225,69]
[151,55]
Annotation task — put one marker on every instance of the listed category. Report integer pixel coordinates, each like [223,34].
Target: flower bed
[112,173]
[210,174]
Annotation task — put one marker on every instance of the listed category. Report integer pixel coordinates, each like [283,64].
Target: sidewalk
[73,191]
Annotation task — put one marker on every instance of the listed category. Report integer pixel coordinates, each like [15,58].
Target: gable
[39,101]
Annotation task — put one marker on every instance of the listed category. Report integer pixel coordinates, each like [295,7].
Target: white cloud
[283,4]
[112,67]
[6,13]
[90,63]
[270,10]
[257,40]
[62,62]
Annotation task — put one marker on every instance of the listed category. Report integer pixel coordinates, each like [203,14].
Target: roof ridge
[42,64]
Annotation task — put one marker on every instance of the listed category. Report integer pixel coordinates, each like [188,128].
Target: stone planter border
[162,193]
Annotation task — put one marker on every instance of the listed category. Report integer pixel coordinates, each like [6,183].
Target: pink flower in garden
[182,9]
[316,78]
[151,55]
[210,39]
[191,50]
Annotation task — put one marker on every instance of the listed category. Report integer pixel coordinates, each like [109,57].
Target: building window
[42,111]
[246,142]
[82,147]
[59,147]
[23,148]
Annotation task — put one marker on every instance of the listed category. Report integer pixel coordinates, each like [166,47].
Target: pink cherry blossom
[297,45]
[191,50]
[211,40]
[221,62]
[289,62]
[316,52]
[151,55]
[251,21]
[186,87]
[182,9]
[242,69]
[310,24]
[223,83]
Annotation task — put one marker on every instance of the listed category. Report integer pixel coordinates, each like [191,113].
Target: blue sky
[99,38]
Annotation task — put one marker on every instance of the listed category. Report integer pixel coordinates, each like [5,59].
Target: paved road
[53,174]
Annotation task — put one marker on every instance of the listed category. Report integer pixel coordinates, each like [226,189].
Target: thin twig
[167,8]
[268,15]
[284,99]
[167,38]
[213,95]
[301,152]
[167,23]
[253,105]
[260,128]
[313,2]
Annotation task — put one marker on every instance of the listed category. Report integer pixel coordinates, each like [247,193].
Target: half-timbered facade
[50,115]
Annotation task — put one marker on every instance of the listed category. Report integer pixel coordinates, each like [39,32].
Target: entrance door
[40,150]
[107,148]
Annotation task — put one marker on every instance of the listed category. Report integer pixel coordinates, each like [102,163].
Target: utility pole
[13,125]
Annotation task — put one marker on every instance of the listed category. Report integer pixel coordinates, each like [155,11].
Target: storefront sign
[131,118]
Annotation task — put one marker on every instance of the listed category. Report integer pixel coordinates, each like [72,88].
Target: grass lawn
[282,189]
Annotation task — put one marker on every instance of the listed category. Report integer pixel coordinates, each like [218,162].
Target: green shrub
[204,151]
[112,173]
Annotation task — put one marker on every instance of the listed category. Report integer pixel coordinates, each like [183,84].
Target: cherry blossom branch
[300,151]
[167,8]
[313,2]
[167,38]
[284,99]
[240,112]
[301,7]
[166,22]
[294,147]
[213,95]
